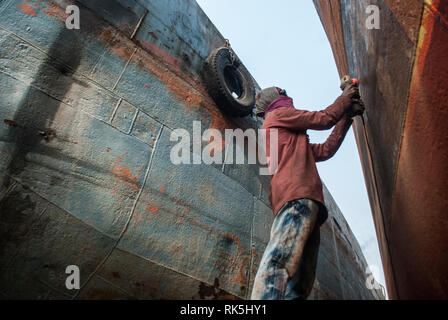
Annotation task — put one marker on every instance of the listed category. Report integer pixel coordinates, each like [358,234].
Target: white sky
[283,43]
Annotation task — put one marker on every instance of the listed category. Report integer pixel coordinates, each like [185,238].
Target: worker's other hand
[357,108]
[351,91]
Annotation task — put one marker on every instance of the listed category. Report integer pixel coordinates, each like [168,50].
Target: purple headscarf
[278,103]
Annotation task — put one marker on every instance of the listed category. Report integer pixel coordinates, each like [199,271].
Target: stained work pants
[288,267]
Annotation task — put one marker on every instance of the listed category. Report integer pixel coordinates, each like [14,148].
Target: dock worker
[288,267]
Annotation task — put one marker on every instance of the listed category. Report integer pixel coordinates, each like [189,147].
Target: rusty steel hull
[86,177]
[404,145]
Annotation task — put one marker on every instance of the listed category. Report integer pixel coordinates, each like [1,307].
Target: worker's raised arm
[294,119]
[326,150]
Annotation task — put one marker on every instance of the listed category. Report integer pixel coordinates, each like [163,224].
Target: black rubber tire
[222,78]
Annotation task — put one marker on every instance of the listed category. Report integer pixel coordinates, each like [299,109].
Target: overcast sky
[283,43]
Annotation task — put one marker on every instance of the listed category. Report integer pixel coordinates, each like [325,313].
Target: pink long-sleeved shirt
[296,176]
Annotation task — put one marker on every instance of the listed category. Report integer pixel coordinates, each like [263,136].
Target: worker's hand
[357,108]
[351,91]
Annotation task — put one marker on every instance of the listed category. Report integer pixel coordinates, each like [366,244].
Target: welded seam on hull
[133,121]
[251,247]
[73,71]
[260,191]
[180,37]
[116,287]
[137,27]
[115,110]
[49,286]
[137,198]
[5,5]
[120,99]
[226,151]
[60,208]
[85,76]
[98,62]
[176,271]
[127,224]
[8,190]
[63,102]
[124,68]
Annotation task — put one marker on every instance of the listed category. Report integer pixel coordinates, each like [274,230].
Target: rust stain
[234,238]
[177,85]
[54,11]
[198,221]
[116,45]
[125,27]
[408,16]
[153,35]
[138,219]
[181,214]
[419,243]
[27,9]
[438,15]
[186,206]
[10,123]
[118,205]
[159,53]
[254,252]
[175,247]
[153,209]
[124,174]
[241,277]
[184,210]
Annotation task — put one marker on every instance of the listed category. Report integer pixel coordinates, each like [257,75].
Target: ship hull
[402,141]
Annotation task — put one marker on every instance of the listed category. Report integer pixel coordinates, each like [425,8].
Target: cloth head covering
[270,99]
[264,98]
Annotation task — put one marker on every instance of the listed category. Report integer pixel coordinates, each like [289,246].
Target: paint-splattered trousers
[288,266]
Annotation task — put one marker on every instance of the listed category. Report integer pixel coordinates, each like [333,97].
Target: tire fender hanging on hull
[229,83]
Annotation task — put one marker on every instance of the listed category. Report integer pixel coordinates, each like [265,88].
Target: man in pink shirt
[288,266]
